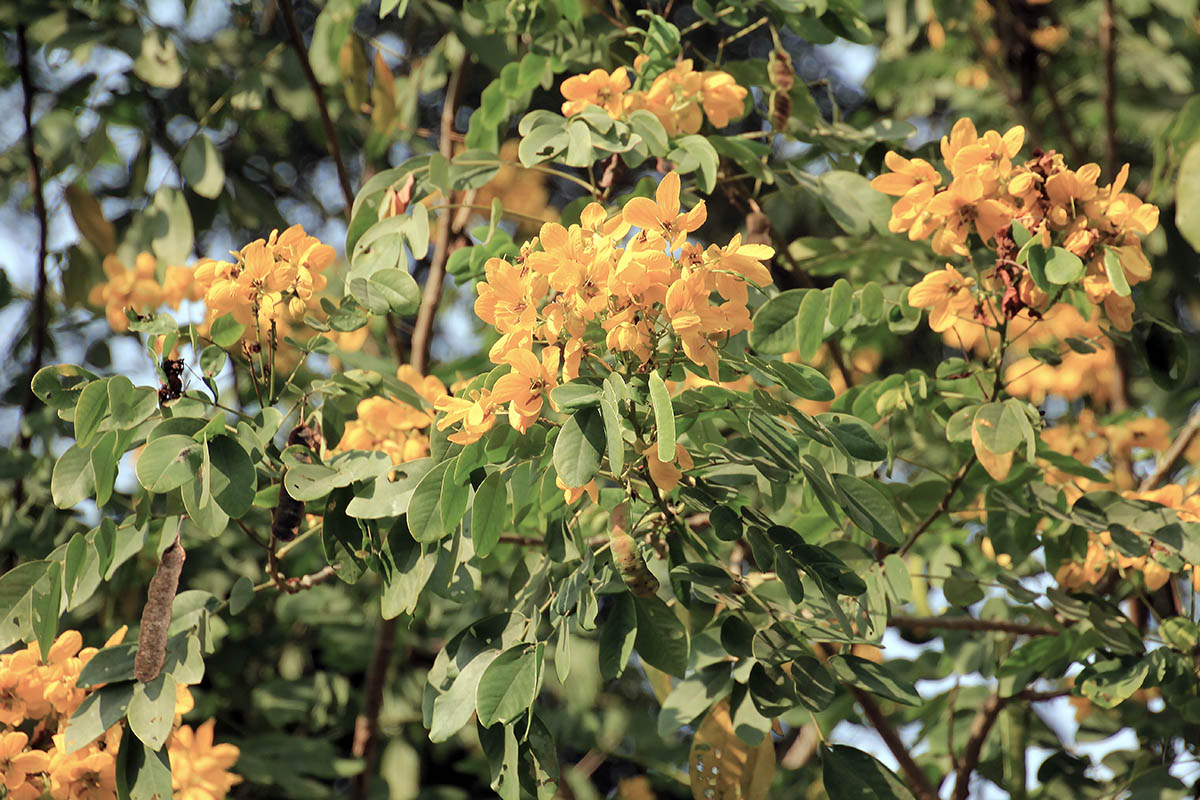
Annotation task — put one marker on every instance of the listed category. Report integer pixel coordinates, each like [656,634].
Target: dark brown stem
[918,781]
[40,334]
[980,727]
[1108,47]
[431,298]
[335,149]
[366,725]
[1163,469]
[941,506]
[972,624]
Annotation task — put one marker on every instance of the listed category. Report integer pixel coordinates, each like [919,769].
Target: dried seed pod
[289,512]
[782,75]
[156,616]
[626,557]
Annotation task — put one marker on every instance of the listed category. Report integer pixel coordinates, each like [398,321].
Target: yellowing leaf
[89,218]
[353,63]
[722,766]
[996,464]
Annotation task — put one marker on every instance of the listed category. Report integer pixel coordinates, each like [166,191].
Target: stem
[972,624]
[942,505]
[917,779]
[335,149]
[39,322]
[980,727]
[1163,469]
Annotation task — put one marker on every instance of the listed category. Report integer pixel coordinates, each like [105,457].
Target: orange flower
[596,88]
[524,387]
[199,768]
[665,474]
[947,293]
[476,412]
[572,494]
[661,217]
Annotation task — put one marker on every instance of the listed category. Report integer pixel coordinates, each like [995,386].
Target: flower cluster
[393,426]
[38,696]
[680,97]
[989,194]
[588,297]
[270,281]
[140,289]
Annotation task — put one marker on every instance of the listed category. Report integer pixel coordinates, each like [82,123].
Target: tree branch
[917,779]
[39,322]
[942,505]
[1163,469]
[985,718]
[366,725]
[335,149]
[972,624]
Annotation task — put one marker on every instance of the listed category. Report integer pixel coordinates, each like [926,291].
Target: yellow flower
[16,764]
[572,494]
[596,88]
[476,412]
[524,387]
[199,768]
[665,474]
[946,293]
[661,217]
[722,98]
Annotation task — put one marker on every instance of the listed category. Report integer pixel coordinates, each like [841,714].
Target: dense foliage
[569,399]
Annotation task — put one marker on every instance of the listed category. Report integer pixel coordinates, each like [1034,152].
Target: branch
[366,724]
[335,150]
[432,296]
[1108,48]
[985,718]
[941,506]
[918,780]
[972,624]
[39,209]
[1164,467]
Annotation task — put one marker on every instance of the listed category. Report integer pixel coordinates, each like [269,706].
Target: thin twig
[1163,469]
[972,624]
[366,724]
[917,779]
[40,333]
[985,718]
[941,506]
[335,149]
[1108,48]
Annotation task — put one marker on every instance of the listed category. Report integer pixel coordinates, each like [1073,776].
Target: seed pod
[783,77]
[289,512]
[156,616]
[626,557]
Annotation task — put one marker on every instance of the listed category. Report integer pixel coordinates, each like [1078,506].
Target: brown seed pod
[156,616]
[289,512]
[782,75]
[626,557]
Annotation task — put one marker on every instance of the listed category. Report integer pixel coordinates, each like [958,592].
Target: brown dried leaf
[722,766]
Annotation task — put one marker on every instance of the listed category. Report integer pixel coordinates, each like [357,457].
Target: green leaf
[543,143]
[851,774]
[233,478]
[168,462]
[453,502]
[202,168]
[853,204]
[47,598]
[662,640]
[90,410]
[775,328]
[508,685]
[110,665]
[870,509]
[169,223]
[726,523]
[142,773]
[241,595]
[424,509]
[73,478]
[1063,267]
[575,395]
[489,514]
[1187,197]
[664,418]
[452,709]
[152,710]
[810,324]
[875,678]
[98,712]
[648,126]
[840,295]
[695,152]
[617,635]
[104,465]
[1116,273]
[858,438]
[614,444]
[579,144]
[803,381]
[226,331]
[579,446]
[16,600]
